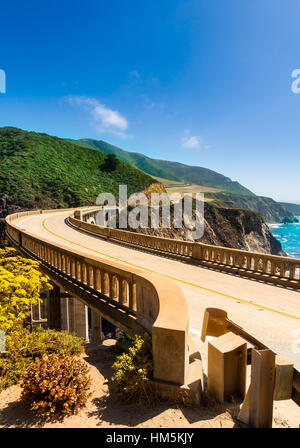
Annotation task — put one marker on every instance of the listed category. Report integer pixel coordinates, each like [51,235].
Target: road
[270,313]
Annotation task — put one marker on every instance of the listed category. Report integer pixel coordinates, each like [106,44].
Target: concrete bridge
[159,287]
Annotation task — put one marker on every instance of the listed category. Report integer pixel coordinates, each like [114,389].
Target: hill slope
[49,171]
[292,208]
[269,209]
[169,170]
[40,171]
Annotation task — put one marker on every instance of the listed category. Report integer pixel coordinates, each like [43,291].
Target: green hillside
[269,209]
[38,170]
[169,170]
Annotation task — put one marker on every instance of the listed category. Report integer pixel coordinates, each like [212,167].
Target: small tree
[20,281]
[110,163]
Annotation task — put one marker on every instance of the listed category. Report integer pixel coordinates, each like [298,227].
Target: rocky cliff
[269,209]
[228,227]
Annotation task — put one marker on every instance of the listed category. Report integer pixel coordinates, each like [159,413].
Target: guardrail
[138,301]
[280,270]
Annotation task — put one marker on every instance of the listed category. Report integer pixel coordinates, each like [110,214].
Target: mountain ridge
[167,169]
[231,195]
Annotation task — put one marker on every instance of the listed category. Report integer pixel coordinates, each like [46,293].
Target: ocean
[289,236]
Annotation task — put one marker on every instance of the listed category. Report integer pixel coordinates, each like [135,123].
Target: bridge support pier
[54,311]
[96,327]
[66,312]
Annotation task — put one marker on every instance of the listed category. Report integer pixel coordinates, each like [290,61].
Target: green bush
[56,385]
[11,372]
[133,370]
[125,337]
[24,346]
[41,341]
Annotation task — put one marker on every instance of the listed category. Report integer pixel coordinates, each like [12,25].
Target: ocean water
[289,236]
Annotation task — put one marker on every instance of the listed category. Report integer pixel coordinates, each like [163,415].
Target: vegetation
[20,281]
[167,169]
[56,385]
[133,370]
[24,346]
[38,170]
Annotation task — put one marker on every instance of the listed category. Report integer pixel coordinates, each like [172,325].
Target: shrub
[125,337]
[10,373]
[132,371]
[24,346]
[56,385]
[20,281]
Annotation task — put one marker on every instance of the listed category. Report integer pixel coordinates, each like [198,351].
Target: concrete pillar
[64,310]
[74,316]
[78,318]
[262,388]
[227,362]
[96,327]
[54,313]
[284,371]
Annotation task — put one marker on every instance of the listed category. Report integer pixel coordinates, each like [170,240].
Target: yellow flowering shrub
[20,281]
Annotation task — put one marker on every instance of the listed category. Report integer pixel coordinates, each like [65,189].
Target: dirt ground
[104,409]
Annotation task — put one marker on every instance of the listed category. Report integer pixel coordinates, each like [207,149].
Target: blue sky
[203,82]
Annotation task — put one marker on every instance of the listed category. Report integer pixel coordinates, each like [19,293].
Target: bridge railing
[273,268]
[143,302]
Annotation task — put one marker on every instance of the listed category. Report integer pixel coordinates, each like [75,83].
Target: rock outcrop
[228,227]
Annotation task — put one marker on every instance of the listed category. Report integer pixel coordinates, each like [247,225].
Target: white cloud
[103,118]
[190,142]
[134,74]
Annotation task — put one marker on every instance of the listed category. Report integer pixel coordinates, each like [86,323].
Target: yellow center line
[212,291]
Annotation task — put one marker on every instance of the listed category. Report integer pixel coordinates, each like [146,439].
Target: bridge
[160,288]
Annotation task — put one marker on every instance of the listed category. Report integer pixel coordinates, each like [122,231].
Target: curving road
[270,313]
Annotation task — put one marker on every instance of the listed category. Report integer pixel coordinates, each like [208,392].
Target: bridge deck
[270,313]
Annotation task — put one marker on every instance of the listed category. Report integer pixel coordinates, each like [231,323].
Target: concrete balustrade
[142,303]
[271,268]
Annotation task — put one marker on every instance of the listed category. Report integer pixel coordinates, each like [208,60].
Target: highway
[270,313]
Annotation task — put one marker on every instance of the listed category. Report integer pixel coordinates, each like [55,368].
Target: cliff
[270,210]
[228,227]
[292,208]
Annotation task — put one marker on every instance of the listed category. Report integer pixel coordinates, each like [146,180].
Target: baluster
[292,271]
[89,276]
[78,270]
[97,284]
[105,283]
[113,287]
[122,292]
